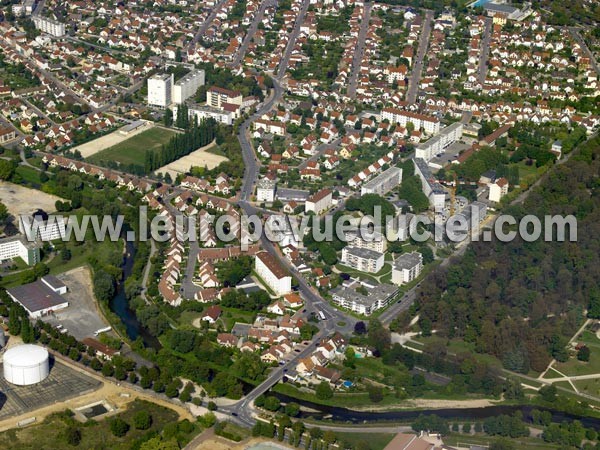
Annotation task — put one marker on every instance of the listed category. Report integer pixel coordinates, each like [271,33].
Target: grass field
[375,441]
[50,434]
[133,150]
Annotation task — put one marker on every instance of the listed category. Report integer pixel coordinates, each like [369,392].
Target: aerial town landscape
[317,224]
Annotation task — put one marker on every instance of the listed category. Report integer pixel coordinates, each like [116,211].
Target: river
[120,305]
[343,415]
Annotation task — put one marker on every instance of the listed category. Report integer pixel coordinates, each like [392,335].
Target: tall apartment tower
[160,89]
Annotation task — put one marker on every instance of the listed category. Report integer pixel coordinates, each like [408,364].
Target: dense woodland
[521,301]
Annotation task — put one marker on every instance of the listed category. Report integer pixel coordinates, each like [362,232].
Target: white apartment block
[44,230]
[431,187]
[383,183]
[49,26]
[375,298]
[217,97]
[272,273]
[265,190]
[440,142]
[429,124]
[19,247]
[406,268]
[498,189]
[206,112]
[363,259]
[375,240]
[187,86]
[160,90]
[319,202]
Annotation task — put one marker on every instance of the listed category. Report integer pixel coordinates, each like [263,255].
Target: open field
[21,200]
[110,140]
[51,433]
[199,158]
[132,150]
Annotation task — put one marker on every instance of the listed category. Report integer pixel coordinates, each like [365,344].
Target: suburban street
[359,50]
[577,36]
[417,69]
[241,53]
[485,50]
[209,19]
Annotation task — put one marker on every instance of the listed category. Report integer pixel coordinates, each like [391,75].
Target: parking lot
[82,317]
[450,154]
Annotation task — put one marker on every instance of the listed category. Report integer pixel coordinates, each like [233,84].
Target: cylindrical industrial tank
[26,364]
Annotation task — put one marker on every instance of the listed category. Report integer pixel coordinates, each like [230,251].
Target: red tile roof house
[212,314]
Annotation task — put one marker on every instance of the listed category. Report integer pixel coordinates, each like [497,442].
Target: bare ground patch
[199,158]
[21,200]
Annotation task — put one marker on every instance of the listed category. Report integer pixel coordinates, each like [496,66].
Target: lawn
[574,367]
[133,150]
[375,441]
[50,434]
[464,440]
[590,387]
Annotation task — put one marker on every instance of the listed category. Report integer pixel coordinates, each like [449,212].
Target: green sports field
[133,150]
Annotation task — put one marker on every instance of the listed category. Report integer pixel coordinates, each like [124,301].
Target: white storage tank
[26,364]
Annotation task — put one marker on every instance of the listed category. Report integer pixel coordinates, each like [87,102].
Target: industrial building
[187,86]
[362,298]
[160,90]
[440,142]
[363,259]
[383,183]
[25,365]
[41,297]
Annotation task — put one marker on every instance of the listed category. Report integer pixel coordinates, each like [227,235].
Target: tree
[119,427]
[168,118]
[7,169]
[548,393]
[466,428]
[14,323]
[142,420]
[73,435]
[584,354]
[375,393]
[360,328]
[272,403]
[292,409]
[324,391]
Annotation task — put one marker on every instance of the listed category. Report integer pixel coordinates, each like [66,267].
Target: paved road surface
[485,50]
[415,76]
[241,53]
[577,36]
[359,50]
[206,24]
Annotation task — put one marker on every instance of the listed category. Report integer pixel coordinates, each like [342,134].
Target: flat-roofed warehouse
[41,297]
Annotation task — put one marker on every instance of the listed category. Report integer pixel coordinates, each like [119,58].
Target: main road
[335,320]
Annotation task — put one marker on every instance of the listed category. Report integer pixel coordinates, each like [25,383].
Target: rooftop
[408,260]
[36,296]
[364,253]
[375,294]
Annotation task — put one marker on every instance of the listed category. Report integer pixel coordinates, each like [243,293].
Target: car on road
[297,350]
[234,414]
